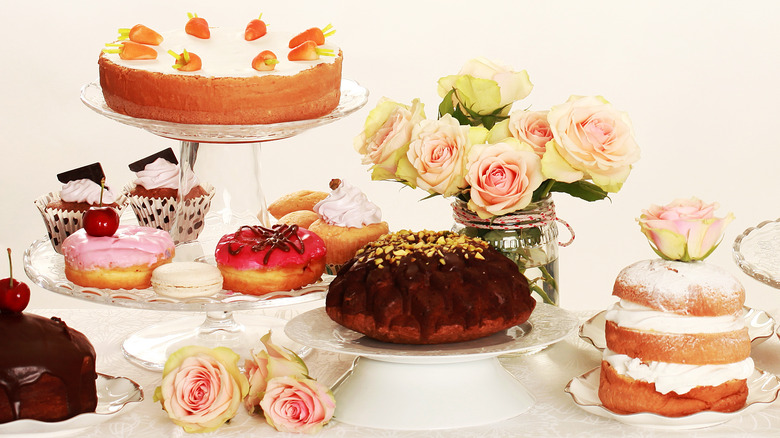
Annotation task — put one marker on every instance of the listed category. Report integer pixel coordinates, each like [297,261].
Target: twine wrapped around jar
[529,237]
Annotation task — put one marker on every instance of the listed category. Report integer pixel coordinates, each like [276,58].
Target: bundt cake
[427,288]
[47,369]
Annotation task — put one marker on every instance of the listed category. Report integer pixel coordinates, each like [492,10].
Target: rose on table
[203,388]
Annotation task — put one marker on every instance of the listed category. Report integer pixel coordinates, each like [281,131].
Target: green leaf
[446,106]
[580,189]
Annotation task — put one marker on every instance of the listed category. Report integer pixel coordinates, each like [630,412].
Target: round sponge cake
[226,90]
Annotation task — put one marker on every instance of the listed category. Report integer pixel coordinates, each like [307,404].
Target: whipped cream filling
[679,378]
[85,190]
[162,174]
[347,206]
[635,316]
[225,54]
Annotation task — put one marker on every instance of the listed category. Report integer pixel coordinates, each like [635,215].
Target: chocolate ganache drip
[281,236]
[32,346]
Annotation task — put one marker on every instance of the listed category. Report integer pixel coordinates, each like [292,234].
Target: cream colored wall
[698,78]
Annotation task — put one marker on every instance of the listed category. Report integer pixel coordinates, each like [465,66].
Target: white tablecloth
[544,374]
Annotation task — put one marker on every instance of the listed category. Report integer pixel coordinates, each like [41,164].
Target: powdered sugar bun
[684,288]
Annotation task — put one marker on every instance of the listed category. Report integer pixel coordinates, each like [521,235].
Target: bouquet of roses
[495,158]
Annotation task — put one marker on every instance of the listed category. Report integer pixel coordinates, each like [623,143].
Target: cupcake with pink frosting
[62,211]
[348,221]
[154,195]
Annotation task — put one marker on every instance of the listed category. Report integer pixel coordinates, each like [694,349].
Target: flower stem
[543,190]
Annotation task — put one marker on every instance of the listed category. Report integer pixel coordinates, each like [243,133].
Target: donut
[257,260]
[122,261]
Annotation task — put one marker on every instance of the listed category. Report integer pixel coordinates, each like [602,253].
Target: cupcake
[62,211]
[154,193]
[348,221]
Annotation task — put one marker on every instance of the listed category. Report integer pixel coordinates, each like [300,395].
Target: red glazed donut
[258,260]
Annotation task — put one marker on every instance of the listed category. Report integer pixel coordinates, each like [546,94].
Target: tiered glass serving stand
[229,158]
[757,252]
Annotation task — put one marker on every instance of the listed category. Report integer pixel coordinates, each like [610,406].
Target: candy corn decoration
[129,50]
[314,34]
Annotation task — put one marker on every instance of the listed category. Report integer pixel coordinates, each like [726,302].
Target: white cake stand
[227,157]
[429,387]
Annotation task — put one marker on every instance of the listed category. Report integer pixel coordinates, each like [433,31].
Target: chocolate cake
[47,369]
[427,288]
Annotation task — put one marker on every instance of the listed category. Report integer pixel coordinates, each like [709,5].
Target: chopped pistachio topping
[393,247]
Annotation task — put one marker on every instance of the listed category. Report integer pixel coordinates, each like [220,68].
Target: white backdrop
[698,79]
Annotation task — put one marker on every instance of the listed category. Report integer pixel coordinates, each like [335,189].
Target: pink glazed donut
[122,261]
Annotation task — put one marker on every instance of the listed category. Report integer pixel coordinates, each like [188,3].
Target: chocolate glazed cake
[47,370]
[428,288]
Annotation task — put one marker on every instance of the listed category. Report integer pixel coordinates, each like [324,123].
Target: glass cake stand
[228,158]
[757,252]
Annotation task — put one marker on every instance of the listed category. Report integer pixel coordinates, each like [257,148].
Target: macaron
[187,280]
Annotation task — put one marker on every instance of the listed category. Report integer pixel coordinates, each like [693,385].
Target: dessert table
[544,374]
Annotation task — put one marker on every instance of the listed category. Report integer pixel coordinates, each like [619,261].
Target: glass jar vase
[529,237]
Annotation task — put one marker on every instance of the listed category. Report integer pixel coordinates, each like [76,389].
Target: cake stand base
[428,396]
[150,347]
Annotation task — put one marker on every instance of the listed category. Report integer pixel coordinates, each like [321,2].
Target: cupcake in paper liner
[62,211]
[153,196]
[348,221]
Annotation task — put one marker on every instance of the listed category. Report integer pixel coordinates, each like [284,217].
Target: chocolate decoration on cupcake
[166,154]
[93,172]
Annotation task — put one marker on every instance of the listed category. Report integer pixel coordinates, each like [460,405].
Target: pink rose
[387,131]
[297,405]
[503,177]
[266,364]
[201,388]
[685,229]
[592,140]
[531,127]
[436,156]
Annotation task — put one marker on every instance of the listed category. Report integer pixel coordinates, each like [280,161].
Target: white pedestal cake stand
[428,387]
[227,157]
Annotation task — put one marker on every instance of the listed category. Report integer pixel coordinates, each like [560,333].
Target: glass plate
[757,252]
[353,97]
[760,326]
[547,325]
[46,268]
[115,395]
[763,389]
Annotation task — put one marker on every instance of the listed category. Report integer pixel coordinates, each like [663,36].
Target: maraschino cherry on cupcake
[63,211]
[154,195]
